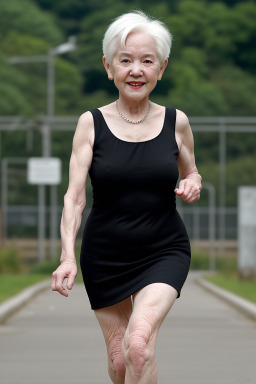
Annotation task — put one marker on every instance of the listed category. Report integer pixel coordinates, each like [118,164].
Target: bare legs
[114,321]
[131,333]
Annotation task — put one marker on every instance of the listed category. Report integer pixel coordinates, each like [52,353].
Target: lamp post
[69,46]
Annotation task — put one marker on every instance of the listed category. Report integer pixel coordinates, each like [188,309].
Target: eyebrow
[130,55]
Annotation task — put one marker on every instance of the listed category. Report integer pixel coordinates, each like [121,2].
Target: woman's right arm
[74,202]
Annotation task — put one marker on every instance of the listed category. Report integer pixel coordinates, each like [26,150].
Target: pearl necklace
[133,121]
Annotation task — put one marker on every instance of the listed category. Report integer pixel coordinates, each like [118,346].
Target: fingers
[179,191]
[71,276]
[71,280]
[189,191]
[65,270]
[58,278]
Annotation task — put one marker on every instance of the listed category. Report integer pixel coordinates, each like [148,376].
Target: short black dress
[134,235]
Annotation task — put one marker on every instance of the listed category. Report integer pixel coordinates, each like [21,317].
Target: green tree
[26,18]
[245,16]
[12,101]
[238,89]
[24,85]
[208,36]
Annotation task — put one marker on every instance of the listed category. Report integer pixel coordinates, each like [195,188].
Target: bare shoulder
[182,122]
[108,110]
[84,133]
[183,131]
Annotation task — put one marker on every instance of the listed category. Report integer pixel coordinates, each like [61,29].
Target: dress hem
[140,286]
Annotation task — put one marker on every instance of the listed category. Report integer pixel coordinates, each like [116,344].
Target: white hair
[119,30]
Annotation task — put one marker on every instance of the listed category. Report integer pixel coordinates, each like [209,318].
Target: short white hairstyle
[136,21]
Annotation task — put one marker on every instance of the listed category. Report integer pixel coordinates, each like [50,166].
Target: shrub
[199,260]
[10,260]
[45,267]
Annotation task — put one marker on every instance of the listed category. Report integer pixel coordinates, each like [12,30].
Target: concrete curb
[10,306]
[247,307]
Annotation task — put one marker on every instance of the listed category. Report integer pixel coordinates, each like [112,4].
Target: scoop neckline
[134,142]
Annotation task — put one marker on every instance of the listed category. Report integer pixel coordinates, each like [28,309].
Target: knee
[137,352]
[116,366]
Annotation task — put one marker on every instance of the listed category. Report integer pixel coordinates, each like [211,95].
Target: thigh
[155,297]
[151,304]
[113,321]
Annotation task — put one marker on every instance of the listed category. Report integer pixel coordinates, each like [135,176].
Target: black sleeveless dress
[134,235]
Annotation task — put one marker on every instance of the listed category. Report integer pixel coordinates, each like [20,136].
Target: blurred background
[51,72]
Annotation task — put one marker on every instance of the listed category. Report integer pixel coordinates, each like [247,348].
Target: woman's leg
[113,321]
[151,305]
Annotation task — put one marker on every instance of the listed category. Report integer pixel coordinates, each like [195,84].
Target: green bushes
[45,267]
[10,261]
[200,261]
[15,274]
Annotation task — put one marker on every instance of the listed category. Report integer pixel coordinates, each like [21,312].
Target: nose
[136,69]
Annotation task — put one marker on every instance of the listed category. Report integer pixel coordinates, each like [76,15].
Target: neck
[138,121]
[133,108]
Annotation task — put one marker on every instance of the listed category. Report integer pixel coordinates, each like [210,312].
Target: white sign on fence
[44,170]
[247,230]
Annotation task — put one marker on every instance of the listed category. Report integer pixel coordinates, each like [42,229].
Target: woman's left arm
[190,180]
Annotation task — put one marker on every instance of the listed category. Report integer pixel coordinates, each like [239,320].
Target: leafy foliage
[10,261]
[212,61]
[26,18]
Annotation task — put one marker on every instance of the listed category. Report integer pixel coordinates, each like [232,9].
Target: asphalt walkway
[57,340]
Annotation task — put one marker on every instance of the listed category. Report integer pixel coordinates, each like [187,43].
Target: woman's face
[136,69]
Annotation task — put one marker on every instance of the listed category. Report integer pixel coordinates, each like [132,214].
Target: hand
[67,269]
[188,190]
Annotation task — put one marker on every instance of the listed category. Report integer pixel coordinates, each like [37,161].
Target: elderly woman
[135,252]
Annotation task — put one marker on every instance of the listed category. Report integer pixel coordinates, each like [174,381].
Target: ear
[107,67]
[162,68]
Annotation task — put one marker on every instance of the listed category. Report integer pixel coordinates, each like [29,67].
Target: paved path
[54,340]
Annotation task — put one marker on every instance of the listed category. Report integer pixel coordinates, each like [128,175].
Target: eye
[125,61]
[148,61]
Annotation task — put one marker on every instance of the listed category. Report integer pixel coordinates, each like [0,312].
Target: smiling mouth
[136,85]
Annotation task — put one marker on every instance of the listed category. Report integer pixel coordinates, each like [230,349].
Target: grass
[226,275]
[12,284]
[15,277]
[231,282]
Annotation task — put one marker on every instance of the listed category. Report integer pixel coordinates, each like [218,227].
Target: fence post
[212,213]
